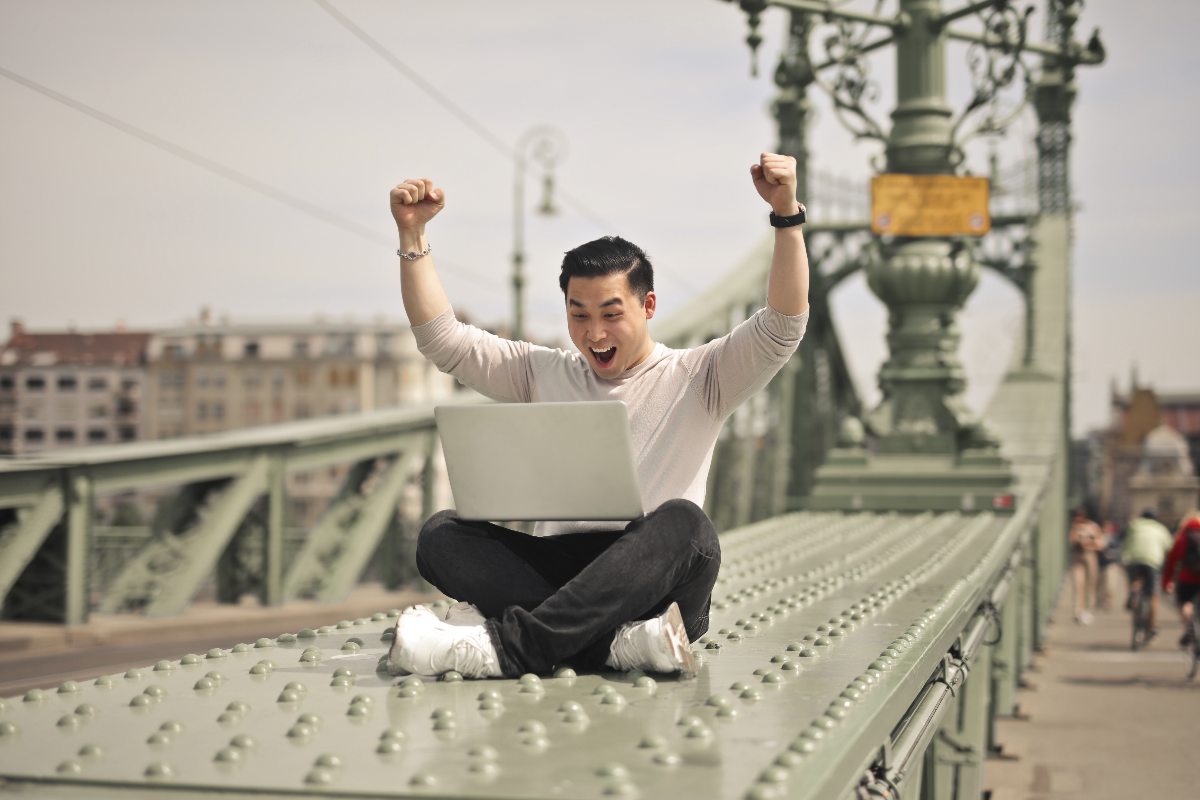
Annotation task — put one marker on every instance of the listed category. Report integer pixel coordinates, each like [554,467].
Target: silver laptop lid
[540,461]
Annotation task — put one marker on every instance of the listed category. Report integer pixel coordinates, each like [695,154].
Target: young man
[1143,551]
[593,595]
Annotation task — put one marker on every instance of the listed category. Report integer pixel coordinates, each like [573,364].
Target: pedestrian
[1086,540]
[624,597]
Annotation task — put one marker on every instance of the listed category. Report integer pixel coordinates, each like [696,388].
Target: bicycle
[1142,632]
[1194,625]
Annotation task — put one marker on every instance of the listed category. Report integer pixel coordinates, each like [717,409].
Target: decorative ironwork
[995,65]
[851,84]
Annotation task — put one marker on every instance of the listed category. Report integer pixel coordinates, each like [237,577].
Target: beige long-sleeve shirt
[677,399]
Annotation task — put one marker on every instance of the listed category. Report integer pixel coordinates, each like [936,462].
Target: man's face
[607,323]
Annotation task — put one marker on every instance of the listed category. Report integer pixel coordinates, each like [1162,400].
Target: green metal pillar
[80,511]
[1005,658]
[272,585]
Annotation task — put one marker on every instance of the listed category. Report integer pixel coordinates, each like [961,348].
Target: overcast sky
[237,154]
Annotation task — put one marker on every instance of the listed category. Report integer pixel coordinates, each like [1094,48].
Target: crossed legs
[559,599]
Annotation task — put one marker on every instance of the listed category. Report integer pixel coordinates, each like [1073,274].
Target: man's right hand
[415,202]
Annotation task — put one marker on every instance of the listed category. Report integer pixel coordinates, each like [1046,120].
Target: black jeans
[560,599]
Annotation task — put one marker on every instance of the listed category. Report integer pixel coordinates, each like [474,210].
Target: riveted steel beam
[20,540]
[171,568]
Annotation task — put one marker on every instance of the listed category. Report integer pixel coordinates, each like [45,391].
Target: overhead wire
[228,173]
[463,116]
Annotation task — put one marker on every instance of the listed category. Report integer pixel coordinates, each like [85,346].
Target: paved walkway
[1104,723]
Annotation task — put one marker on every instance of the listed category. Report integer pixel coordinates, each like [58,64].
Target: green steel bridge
[887,575]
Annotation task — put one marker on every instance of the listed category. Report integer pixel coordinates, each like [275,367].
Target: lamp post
[543,145]
[925,279]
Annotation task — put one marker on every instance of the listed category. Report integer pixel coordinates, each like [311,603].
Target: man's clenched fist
[775,179]
[415,202]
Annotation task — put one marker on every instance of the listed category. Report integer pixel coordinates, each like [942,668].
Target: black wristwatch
[787,222]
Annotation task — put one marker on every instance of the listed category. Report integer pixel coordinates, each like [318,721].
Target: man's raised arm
[414,203]
[787,289]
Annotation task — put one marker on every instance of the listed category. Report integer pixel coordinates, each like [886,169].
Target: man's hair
[609,255]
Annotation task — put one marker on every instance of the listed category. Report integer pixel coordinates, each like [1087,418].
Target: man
[1143,551]
[591,595]
[1181,572]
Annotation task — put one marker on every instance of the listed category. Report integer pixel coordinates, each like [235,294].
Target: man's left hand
[775,179]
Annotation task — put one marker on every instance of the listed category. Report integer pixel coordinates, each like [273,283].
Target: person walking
[1086,540]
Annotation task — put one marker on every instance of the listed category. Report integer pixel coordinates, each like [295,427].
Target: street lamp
[543,145]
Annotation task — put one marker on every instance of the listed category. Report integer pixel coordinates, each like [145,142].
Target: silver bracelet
[414,255]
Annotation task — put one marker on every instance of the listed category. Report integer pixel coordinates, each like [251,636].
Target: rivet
[260,669]
[264,643]
[351,647]
[205,685]
[319,777]
[698,732]
[751,694]
[215,653]
[653,742]
[490,703]
[564,672]
[529,679]
[134,674]
[666,759]
[69,768]
[299,731]
[803,746]
[243,742]
[451,676]
[241,647]
[613,699]
[286,638]
[309,719]
[139,700]
[228,755]
[288,696]
[68,687]
[306,633]
[103,682]
[190,659]
[423,779]
[788,758]
[612,771]
[772,677]
[157,692]
[68,721]
[718,701]
[392,733]
[35,696]
[773,775]
[91,751]
[738,686]
[215,676]
[532,728]
[328,760]
[358,710]
[164,666]
[824,723]
[389,746]
[159,739]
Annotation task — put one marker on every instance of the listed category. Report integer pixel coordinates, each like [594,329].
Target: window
[7,382]
[251,381]
[201,410]
[35,383]
[97,435]
[6,433]
[35,435]
[128,433]
[300,348]
[64,435]
[97,384]
[128,384]
[339,344]
[250,349]
[218,410]
[383,344]
[97,412]
[125,406]
[67,383]
[171,380]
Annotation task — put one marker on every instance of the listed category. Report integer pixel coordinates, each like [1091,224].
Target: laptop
[540,461]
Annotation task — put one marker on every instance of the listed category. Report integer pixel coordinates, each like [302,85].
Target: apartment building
[211,377]
[70,389]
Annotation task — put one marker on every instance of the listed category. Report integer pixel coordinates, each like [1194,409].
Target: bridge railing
[222,513]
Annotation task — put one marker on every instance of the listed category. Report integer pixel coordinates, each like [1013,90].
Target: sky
[162,156]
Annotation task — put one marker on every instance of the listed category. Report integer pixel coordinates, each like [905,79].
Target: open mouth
[604,357]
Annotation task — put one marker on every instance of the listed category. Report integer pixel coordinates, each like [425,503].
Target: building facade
[61,390]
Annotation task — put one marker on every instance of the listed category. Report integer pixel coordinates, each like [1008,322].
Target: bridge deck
[825,627]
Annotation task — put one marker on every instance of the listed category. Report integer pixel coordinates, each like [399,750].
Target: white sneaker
[426,645]
[463,613]
[654,645]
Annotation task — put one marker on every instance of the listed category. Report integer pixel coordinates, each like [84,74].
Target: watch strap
[787,222]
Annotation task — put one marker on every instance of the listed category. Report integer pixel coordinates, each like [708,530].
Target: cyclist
[1182,571]
[1143,551]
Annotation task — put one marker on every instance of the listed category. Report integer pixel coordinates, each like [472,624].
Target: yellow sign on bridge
[929,205]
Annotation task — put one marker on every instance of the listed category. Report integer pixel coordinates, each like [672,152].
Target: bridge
[887,576]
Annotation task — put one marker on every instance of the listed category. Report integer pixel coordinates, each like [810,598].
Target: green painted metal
[20,540]
[825,627]
[172,567]
[341,544]
[80,512]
